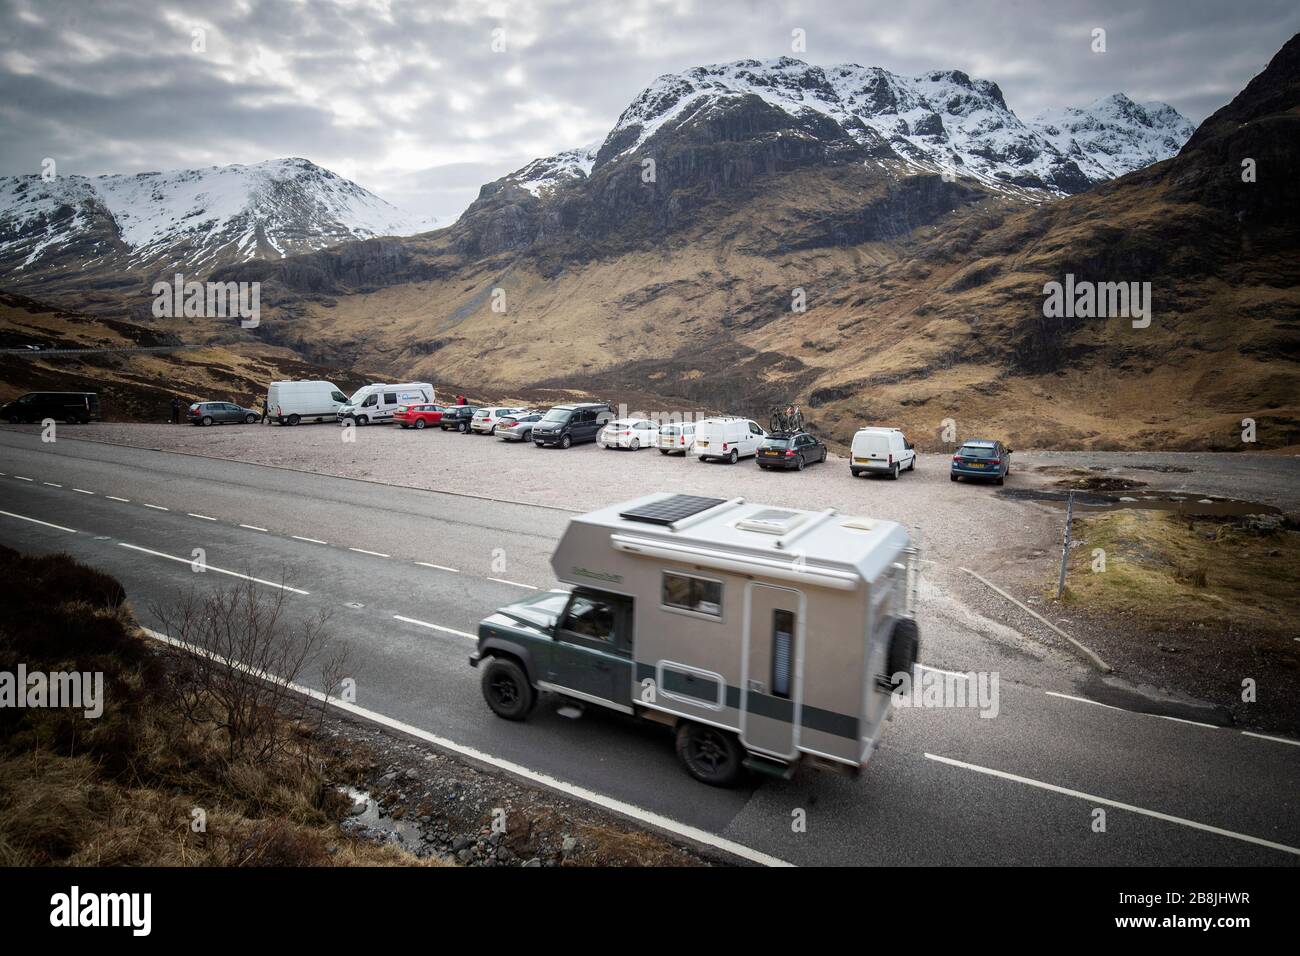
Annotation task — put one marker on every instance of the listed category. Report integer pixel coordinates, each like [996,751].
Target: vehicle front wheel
[506,689]
[566,441]
[363,420]
[710,755]
[911,465]
[419,424]
[250,419]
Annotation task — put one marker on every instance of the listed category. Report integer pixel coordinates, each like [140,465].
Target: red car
[418,416]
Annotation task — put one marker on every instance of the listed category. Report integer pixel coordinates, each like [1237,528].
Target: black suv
[457,417]
[566,425]
[789,450]
[67,407]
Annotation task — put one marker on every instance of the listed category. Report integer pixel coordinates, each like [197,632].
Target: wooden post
[1065,545]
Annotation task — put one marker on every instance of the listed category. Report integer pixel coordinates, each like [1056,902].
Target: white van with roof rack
[764,637]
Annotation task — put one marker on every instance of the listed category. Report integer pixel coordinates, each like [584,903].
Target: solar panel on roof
[671,509]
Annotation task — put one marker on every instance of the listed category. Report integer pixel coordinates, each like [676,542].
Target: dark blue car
[981,458]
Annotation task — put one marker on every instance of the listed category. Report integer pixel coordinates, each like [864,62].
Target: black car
[789,450]
[456,418]
[70,407]
[566,425]
[221,413]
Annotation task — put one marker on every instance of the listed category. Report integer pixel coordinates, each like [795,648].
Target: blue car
[981,458]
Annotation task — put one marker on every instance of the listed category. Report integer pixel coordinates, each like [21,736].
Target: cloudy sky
[410,98]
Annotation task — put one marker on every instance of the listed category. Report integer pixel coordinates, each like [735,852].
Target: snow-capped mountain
[1114,135]
[195,219]
[942,120]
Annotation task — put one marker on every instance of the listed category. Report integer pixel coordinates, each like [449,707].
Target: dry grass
[123,789]
[1166,569]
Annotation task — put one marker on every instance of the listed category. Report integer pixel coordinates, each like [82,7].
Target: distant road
[406,574]
[41,353]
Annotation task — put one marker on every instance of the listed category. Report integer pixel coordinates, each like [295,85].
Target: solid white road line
[1093,798]
[157,507]
[125,501]
[82,491]
[208,567]
[58,527]
[530,587]
[298,537]
[1124,710]
[377,554]
[440,567]
[927,667]
[252,527]
[573,791]
[1276,740]
[202,517]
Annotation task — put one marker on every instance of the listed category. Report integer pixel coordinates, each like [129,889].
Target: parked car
[981,458]
[518,427]
[288,403]
[566,425]
[630,433]
[456,418]
[221,413]
[487,417]
[785,450]
[378,403]
[70,407]
[884,451]
[677,437]
[418,416]
[727,439]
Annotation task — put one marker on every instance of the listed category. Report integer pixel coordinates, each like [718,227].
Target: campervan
[289,403]
[378,403]
[765,637]
[727,439]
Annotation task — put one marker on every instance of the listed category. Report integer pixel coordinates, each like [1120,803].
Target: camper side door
[592,655]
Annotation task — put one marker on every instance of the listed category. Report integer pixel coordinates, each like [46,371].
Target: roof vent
[772,521]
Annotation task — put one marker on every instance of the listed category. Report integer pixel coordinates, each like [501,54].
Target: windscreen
[358,396]
[557,415]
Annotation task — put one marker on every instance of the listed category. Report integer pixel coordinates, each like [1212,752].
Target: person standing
[176,410]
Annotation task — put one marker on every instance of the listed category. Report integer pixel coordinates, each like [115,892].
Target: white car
[677,437]
[633,433]
[884,451]
[486,419]
[727,439]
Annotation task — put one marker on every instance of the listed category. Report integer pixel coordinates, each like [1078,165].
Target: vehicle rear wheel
[294,419]
[419,424]
[70,420]
[205,420]
[1001,480]
[953,477]
[506,689]
[636,444]
[733,457]
[855,472]
[893,473]
[709,754]
[566,441]
[663,451]
[799,463]
[702,458]
[904,645]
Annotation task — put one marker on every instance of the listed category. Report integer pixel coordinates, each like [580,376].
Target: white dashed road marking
[377,554]
[531,587]
[440,567]
[252,527]
[125,501]
[201,517]
[157,507]
[82,491]
[298,537]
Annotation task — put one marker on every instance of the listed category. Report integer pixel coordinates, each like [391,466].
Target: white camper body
[372,404]
[727,439]
[772,625]
[289,403]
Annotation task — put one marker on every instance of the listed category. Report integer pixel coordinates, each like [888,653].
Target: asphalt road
[945,787]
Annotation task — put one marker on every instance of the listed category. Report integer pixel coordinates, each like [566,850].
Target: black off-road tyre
[506,689]
[709,754]
[904,646]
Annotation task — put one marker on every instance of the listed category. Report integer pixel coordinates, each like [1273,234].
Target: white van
[727,439]
[885,451]
[377,403]
[676,437]
[289,403]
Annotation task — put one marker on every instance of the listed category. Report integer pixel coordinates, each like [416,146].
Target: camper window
[390,398]
[782,647]
[685,592]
